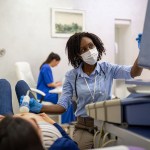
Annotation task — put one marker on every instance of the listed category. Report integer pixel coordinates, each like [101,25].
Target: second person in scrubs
[46,80]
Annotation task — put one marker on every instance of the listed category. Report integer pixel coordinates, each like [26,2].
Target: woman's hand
[1,117]
[47,118]
[58,83]
[55,84]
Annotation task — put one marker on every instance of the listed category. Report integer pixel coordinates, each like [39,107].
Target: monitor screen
[144,55]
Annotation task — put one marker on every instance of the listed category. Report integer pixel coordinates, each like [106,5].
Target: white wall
[25,30]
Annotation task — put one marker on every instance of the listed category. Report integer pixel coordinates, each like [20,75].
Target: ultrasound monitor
[144,55]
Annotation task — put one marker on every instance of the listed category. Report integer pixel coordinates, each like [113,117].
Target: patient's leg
[21,89]
[5,98]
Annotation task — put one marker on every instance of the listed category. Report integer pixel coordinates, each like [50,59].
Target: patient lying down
[28,131]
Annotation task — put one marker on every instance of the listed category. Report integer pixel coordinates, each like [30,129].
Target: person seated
[28,131]
[46,80]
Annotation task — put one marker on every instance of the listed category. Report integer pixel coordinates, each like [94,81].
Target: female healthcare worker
[90,81]
[46,80]
[46,83]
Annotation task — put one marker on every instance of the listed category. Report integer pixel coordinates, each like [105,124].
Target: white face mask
[90,57]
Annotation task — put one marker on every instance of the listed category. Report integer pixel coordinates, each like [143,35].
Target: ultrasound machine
[126,121]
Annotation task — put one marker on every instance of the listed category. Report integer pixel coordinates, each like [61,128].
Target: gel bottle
[24,108]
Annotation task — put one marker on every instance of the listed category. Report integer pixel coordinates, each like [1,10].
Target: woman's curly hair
[73,47]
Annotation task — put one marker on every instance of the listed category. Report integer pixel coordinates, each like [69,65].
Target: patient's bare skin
[29,116]
[1,117]
[38,117]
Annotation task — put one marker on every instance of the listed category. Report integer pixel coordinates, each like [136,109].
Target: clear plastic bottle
[24,108]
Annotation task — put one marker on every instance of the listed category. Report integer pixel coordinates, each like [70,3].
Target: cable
[94,139]
[104,137]
[108,142]
[101,134]
[104,143]
[28,92]
[32,92]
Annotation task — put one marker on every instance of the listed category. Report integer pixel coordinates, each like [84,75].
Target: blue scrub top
[104,73]
[45,78]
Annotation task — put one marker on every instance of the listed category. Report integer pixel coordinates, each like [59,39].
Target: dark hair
[73,47]
[51,57]
[18,134]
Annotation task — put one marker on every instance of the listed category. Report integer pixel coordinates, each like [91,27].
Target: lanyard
[92,95]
